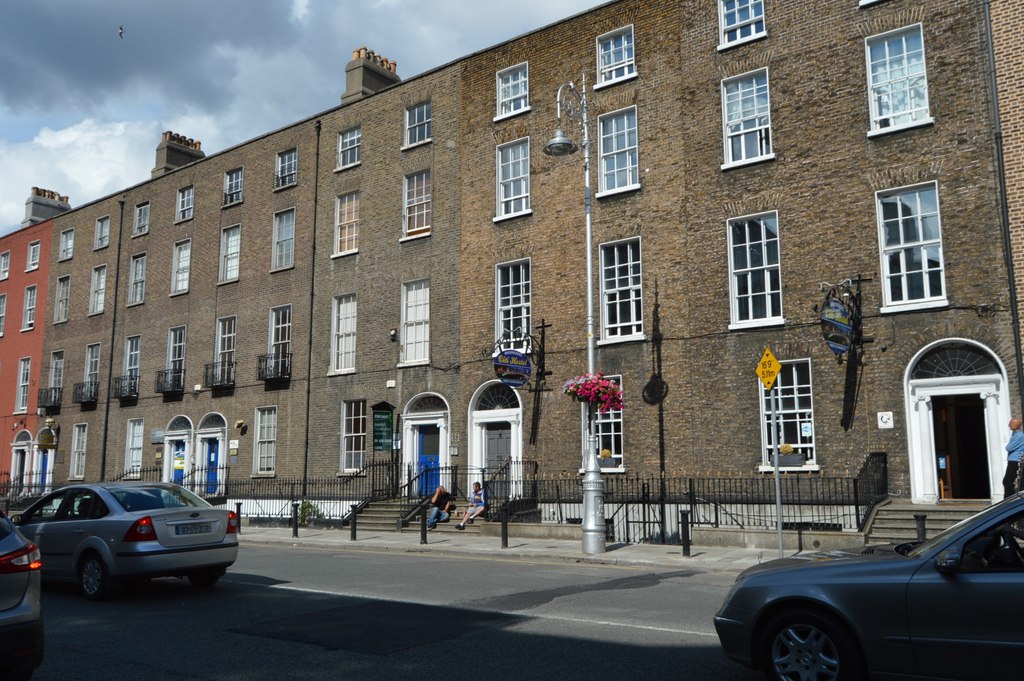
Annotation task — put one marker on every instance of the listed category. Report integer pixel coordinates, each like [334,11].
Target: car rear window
[152,498]
[6,528]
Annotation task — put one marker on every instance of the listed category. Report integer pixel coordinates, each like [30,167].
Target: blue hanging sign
[837,324]
[512,367]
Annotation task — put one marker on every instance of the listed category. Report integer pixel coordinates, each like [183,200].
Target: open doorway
[961,447]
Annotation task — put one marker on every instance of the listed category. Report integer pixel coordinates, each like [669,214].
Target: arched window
[211,421]
[180,423]
[955,359]
[498,396]
[428,403]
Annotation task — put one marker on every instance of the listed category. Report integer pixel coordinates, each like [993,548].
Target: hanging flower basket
[594,389]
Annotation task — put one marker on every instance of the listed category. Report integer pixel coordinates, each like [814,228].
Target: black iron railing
[170,381]
[219,374]
[50,397]
[276,367]
[125,387]
[85,393]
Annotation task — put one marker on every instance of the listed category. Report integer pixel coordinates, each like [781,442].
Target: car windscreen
[153,498]
[941,538]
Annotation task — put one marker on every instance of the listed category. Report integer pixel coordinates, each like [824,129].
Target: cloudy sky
[82,108]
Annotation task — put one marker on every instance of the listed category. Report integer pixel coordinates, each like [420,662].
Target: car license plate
[192,528]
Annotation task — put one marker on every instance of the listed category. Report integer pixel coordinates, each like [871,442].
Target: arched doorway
[425,442]
[211,468]
[496,434]
[957,408]
[178,456]
[22,479]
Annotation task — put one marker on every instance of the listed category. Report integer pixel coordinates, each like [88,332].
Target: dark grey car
[948,608]
[21,613]
[101,534]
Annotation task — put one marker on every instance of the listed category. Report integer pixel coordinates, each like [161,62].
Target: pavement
[705,558]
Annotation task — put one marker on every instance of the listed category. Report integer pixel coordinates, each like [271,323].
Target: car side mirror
[16,519]
[948,562]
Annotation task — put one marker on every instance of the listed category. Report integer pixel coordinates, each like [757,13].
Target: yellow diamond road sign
[768,369]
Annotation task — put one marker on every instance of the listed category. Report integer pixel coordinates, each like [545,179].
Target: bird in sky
[120,32]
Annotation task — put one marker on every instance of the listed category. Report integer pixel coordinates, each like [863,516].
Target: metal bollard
[504,528]
[352,524]
[295,519]
[684,532]
[423,527]
[238,516]
[919,518]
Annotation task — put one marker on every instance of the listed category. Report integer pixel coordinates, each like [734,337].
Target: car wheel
[205,579]
[93,577]
[802,645]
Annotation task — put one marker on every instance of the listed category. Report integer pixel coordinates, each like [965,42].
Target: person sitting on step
[477,505]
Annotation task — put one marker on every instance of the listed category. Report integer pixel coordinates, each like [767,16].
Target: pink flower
[595,390]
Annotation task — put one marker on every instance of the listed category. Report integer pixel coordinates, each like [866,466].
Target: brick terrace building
[742,164]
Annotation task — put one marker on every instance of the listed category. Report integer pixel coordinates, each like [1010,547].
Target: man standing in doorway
[1014,449]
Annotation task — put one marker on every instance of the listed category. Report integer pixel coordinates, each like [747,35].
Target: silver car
[948,608]
[101,534]
[21,613]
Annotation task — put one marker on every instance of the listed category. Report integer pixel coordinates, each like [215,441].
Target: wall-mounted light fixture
[394,334]
[197,388]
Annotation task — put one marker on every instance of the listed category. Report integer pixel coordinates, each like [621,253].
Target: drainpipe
[113,336]
[312,295]
[1004,209]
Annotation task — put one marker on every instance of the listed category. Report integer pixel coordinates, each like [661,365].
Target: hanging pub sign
[512,367]
[839,320]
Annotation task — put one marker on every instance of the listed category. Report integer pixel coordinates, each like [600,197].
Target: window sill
[618,190]
[806,468]
[264,475]
[286,186]
[722,47]
[881,132]
[512,114]
[227,281]
[348,167]
[65,258]
[282,268]
[178,221]
[175,294]
[26,329]
[32,269]
[748,162]
[140,233]
[407,147]
[757,324]
[414,237]
[865,3]
[417,363]
[512,216]
[349,473]
[913,306]
[616,81]
[632,338]
[354,251]
[135,304]
[99,248]
[341,372]
[231,205]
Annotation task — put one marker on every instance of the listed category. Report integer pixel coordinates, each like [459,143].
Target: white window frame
[512,91]
[186,203]
[419,120]
[513,314]
[279,335]
[343,333]
[137,282]
[5,265]
[907,250]
[226,343]
[623,295]
[62,299]
[101,233]
[24,379]
[140,222]
[92,363]
[132,355]
[3,312]
[608,428]
[133,446]
[353,435]
[417,204]
[758,276]
[56,379]
[616,57]
[346,223]
[28,312]
[181,267]
[98,290]
[512,179]
[230,253]
[283,252]
[286,168]
[915,113]
[618,148]
[735,27]
[745,117]
[67,244]
[234,181]
[176,343]
[79,442]
[350,146]
[265,446]
[415,341]
[795,412]
[32,257]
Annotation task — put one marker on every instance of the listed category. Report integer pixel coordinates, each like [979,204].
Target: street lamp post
[574,102]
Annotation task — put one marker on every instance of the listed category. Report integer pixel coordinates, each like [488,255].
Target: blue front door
[178,461]
[212,447]
[429,461]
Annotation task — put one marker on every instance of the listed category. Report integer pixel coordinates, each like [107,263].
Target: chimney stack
[175,151]
[42,205]
[367,73]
